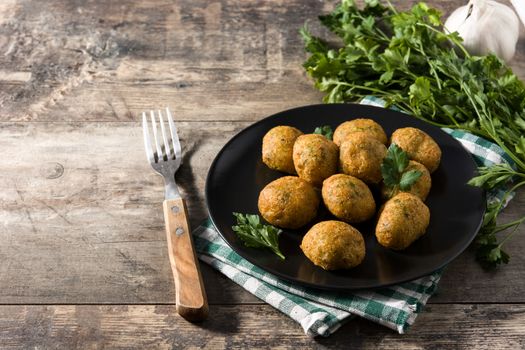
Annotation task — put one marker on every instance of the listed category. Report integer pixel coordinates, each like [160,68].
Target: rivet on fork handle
[189,289]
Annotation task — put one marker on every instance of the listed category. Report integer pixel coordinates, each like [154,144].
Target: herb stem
[516,224]
[367,88]
[452,38]
[392,8]
[503,227]
[278,253]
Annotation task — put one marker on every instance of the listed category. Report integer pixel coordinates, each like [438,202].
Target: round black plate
[237,175]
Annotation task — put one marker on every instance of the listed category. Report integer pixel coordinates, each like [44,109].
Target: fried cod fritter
[348,198]
[360,126]
[288,202]
[277,148]
[315,158]
[403,220]
[334,245]
[419,146]
[361,156]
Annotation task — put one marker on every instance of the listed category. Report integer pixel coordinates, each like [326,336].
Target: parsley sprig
[325,130]
[406,58]
[255,234]
[394,170]
[490,252]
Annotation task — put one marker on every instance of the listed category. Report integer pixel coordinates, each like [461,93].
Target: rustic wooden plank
[73,227]
[464,279]
[233,50]
[82,219]
[250,327]
[214,101]
[221,60]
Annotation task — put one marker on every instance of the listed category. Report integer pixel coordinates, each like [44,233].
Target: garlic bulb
[486,26]
[519,6]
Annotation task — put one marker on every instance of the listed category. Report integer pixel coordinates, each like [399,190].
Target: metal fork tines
[164,153]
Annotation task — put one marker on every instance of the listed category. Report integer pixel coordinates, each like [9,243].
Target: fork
[165,158]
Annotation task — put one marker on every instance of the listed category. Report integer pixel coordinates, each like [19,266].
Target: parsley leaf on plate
[408,179]
[394,171]
[325,130]
[255,234]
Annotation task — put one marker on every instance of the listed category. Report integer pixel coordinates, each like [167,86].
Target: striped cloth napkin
[323,312]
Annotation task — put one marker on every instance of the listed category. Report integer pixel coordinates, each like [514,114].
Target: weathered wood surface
[83,220]
[223,60]
[81,210]
[82,216]
[157,327]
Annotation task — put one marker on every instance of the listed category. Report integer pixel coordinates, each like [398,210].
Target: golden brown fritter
[348,198]
[334,245]
[420,188]
[403,219]
[315,158]
[277,148]
[288,202]
[361,156]
[419,145]
[361,126]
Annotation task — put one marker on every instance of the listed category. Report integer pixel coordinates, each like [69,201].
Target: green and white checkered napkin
[323,312]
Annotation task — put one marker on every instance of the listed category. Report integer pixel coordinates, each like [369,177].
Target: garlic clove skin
[486,26]
[519,6]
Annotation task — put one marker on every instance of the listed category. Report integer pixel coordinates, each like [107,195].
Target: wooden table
[83,257]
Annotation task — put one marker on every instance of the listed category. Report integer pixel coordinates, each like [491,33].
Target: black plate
[237,175]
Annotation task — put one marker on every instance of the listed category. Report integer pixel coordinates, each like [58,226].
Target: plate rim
[284,277]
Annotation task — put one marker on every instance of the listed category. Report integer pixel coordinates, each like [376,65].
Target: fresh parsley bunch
[407,59]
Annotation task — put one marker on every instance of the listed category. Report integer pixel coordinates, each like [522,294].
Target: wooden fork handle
[190,296]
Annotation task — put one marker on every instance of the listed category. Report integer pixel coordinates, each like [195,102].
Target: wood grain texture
[158,327]
[190,296]
[221,60]
[82,217]
[79,228]
[80,208]
[233,61]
